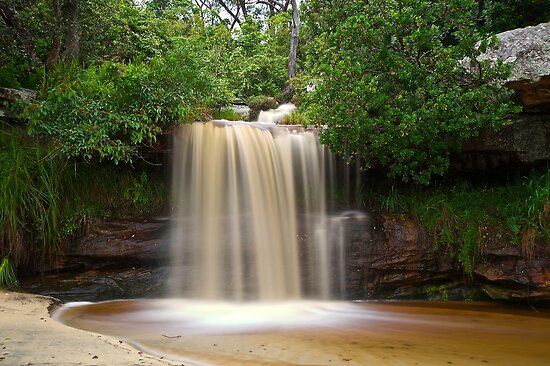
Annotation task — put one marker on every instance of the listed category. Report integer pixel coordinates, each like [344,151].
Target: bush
[109,111]
[389,84]
[262,103]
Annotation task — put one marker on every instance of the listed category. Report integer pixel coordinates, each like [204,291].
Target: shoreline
[28,336]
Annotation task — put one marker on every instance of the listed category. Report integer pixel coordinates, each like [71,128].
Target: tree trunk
[293,49]
[71,47]
[56,37]
[235,17]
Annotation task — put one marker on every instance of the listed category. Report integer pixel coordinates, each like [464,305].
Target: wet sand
[445,333]
[28,336]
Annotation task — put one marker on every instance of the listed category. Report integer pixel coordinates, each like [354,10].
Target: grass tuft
[8,279]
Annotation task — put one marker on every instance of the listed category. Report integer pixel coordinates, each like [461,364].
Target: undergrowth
[228,114]
[30,203]
[45,200]
[464,219]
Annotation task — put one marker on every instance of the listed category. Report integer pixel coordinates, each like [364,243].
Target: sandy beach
[28,336]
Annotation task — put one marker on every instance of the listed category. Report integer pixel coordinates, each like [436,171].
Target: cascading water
[250,215]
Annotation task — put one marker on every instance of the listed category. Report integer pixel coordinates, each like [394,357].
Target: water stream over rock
[250,219]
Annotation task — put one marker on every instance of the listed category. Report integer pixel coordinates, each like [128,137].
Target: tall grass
[30,207]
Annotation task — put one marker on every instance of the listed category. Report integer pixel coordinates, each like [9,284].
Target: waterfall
[249,219]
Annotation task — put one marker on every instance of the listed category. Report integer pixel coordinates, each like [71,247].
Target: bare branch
[228,10]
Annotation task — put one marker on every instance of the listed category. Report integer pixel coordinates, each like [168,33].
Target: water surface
[322,333]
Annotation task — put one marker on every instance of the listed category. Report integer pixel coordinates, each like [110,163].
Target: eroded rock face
[121,240]
[396,260]
[507,273]
[525,141]
[390,257]
[386,256]
[527,51]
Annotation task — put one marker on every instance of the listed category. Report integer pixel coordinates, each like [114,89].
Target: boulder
[241,109]
[527,51]
[506,273]
[9,96]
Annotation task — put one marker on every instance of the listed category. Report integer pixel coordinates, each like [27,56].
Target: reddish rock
[139,240]
[506,274]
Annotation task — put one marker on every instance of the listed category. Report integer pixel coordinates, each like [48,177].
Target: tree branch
[235,18]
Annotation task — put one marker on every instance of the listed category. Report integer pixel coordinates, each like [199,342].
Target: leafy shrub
[262,103]
[389,84]
[228,114]
[109,111]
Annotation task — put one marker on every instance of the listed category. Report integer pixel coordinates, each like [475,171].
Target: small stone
[94,358]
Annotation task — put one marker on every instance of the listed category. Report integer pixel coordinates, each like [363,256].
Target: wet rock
[506,273]
[389,256]
[393,260]
[128,240]
[385,256]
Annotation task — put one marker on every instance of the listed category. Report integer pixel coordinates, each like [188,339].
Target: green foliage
[261,103]
[42,203]
[296,118]
[128,32]
[434,292]
[102,190]
[228,114]
[462,218]
[502,15]
[389,83]
[8,279]
[260,62]
[138,192]
[109,111]
[30,205]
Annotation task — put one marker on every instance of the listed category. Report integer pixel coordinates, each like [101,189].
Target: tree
[502,15]
[12,18]
[389,84]
[293,48]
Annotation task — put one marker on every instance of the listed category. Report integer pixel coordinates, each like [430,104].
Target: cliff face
[386,257]
[396,259]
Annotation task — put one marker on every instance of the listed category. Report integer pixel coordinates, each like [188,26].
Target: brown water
[250,219]
[322,333]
